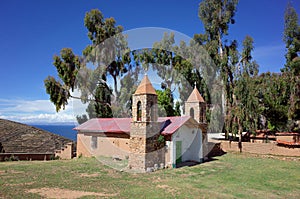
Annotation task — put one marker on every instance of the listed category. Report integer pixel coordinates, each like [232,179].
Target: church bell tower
[146,150]
[195,106]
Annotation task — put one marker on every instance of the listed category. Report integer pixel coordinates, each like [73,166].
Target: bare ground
[66,193]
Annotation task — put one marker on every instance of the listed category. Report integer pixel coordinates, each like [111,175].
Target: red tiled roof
[122,125]
[106,125]
[171,124]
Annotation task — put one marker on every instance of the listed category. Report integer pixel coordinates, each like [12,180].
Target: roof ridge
[145,87]
[195,96]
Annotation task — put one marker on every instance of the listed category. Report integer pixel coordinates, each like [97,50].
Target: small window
[192,113]
[94,144]
[139,111]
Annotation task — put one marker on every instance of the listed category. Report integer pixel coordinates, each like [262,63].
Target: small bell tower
[195,106]
[146,150]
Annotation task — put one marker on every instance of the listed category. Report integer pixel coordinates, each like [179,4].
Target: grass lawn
[230,176]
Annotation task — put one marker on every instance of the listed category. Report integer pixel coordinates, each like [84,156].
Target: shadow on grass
[193,163]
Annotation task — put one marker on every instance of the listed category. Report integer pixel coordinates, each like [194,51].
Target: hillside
[21,138]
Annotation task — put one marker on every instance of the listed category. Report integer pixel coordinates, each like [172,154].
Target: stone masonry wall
[146,150]
[149,107]
[199,110]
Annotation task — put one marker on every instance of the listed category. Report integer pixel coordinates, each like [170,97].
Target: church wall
[146,150]
[191,148]
[107,145]
[168,153]
[81,149]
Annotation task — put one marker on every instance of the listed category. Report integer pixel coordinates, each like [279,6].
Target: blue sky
[32,31]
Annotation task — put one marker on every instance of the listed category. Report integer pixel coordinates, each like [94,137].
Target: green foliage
[165,102]
[275,94]
[67,66]
[109,45]
[216,16]
[292,39]
[102,102]
[244,111]
[161,139]
[59,95]
[271,127]
[81,118]
[91,83]
[100,29]
[173,65]
[128,87]
[292,66]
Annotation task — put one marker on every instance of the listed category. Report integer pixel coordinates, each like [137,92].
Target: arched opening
[139,111]
[192,113]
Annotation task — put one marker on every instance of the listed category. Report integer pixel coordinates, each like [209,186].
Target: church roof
[169,125]
[145,87]
[106,125]
[195,96]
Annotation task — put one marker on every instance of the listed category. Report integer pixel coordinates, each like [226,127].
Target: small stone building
[145,139]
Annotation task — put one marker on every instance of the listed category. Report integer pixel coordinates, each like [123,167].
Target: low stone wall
[26,156]
[260,148]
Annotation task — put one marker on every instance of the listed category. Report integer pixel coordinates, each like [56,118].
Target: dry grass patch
[168,189]
[66,193]
[89,174]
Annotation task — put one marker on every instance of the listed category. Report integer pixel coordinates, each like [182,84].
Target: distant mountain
[21,138]
[53,124]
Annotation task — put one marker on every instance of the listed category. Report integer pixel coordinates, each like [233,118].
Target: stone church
[147,140]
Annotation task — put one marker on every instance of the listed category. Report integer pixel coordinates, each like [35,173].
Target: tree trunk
[240,136]
[116,87]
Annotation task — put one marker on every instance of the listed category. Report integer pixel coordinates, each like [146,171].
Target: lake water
[62,130]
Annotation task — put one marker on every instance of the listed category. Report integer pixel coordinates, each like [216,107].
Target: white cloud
[35,111]
[41,118]
[9,106]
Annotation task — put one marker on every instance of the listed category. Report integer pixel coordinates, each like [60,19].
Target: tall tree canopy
[74,73]
[292,66]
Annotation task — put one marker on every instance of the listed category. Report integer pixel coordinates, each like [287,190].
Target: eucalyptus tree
[245,112]
[216,16]
[292,66]
[108,54]
[273,94]
[174,65]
